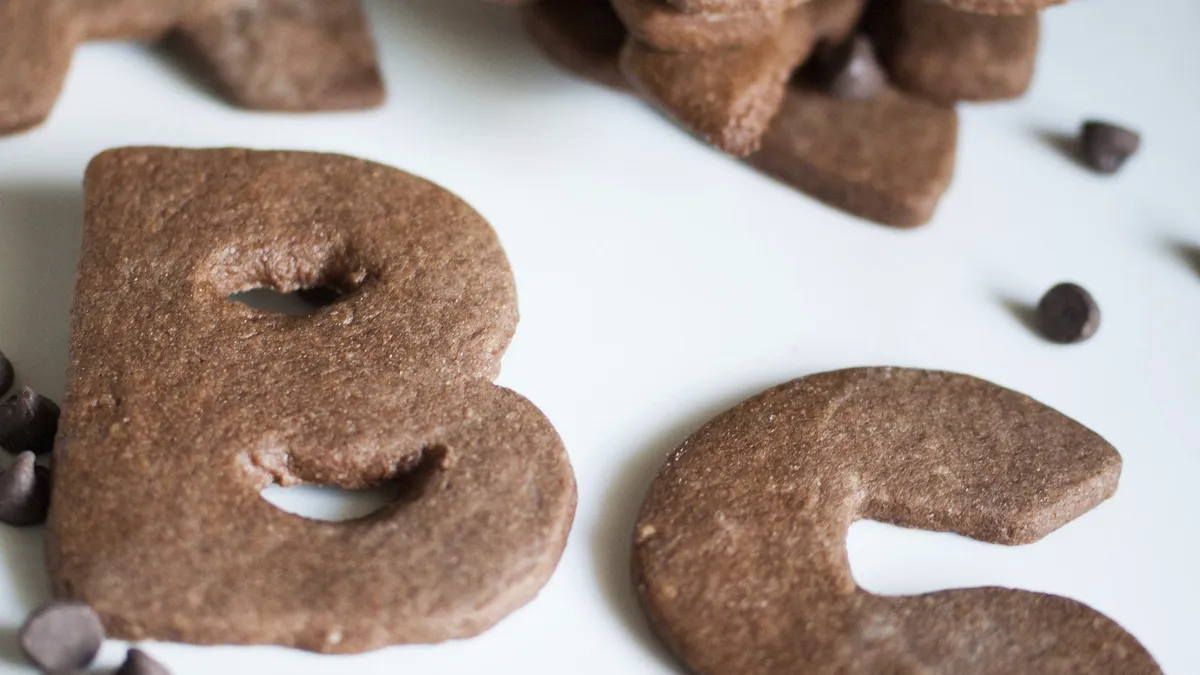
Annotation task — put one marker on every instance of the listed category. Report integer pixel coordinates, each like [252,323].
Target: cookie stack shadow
[793,86]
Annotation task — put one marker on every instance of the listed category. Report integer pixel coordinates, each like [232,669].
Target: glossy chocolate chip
[1068,313]
[28,421]
[138,662]
[24,492]
[1105,146]
[62,636]
[851,71]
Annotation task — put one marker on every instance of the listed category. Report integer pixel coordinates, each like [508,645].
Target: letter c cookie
[739,551]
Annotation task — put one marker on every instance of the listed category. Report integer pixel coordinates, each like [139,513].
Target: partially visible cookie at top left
[293,55]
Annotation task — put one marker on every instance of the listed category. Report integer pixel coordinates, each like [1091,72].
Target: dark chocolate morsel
[62,636]
[24,492]
[28,421]
[138,662]
[1105,146]
[1068,313]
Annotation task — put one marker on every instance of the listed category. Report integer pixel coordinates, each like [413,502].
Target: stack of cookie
[849,101]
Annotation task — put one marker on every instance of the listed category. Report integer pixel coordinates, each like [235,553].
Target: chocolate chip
[1106,146]
[138,662]
[28,421]
[62,636]
[6,375]
[851,70]
[24,492]
[1068,313]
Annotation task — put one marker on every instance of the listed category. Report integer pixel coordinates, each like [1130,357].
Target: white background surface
[661,282]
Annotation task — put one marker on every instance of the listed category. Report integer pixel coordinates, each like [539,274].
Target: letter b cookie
[182,406]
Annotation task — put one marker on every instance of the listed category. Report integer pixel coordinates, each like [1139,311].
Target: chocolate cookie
[947,55]
[269,54]
[739,551]
[727,97]
[583,36]
[183,405]
[664,27]
[887,159]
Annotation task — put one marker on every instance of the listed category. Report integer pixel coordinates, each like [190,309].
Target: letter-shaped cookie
[834,21]
[888,159]
[662,26]
[727,97]
[269,54]
[739,551]
[947,55]
[183,405]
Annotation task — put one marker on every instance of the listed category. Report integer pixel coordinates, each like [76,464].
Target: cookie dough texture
[293,55]
[183,405]
[739,550]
